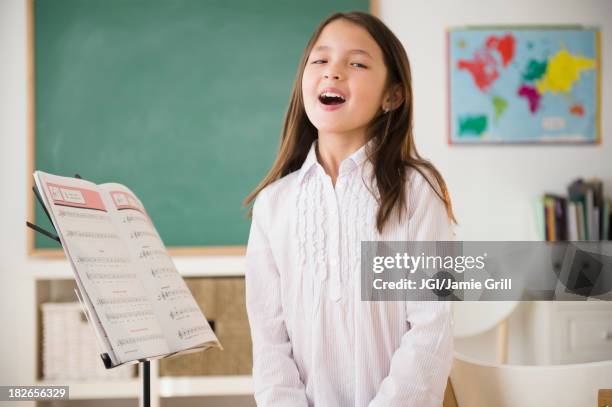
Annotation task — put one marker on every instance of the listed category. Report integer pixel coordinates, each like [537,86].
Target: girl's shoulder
[422,188]
[421,179]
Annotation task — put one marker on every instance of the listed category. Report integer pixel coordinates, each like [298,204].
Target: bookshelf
[583,214]
[566,332]
[54,282]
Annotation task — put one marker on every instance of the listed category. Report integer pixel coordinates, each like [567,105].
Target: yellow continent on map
[562,71]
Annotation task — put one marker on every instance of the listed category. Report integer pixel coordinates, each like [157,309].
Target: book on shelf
[138,304]
[555,208]
[584,214]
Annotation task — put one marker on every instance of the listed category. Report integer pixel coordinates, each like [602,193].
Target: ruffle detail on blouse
[310,228]
[360,223]
[357,211]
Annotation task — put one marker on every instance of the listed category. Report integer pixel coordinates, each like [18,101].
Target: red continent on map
[483,66]
[577,110]
[504,45]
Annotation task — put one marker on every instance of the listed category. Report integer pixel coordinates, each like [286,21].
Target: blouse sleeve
[276,380]
[421,365]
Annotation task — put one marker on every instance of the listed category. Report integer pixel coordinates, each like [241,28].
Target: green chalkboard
[180,100]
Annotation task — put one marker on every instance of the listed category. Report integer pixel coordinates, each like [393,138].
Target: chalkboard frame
[36,252]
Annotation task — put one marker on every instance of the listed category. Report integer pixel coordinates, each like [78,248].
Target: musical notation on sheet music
[187,333]
[138,234]
[111,276]
[173,294]
[166,294]
[121,300]
[83,215]
[128,316]
[92,235]
[134,218]
[146,253]
[179,313]
[102,260]
[163,272]
[139,339]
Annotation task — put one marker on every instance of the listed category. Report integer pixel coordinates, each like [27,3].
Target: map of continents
[523,85]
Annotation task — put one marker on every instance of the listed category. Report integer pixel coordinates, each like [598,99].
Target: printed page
[103,267]
[177,311]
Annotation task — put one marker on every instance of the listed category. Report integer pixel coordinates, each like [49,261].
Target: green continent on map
[535,70]
[472,125]
[500,105]
[563,71]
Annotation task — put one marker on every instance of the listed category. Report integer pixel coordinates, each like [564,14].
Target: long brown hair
[393,148]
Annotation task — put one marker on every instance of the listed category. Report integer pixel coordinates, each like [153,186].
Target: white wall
[16,288]
[493,187]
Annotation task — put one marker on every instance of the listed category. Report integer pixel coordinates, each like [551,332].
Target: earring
[385,110]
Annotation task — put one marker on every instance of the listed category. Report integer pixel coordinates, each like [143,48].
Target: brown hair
[393,148]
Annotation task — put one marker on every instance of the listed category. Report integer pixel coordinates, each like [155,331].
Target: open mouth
[331,98]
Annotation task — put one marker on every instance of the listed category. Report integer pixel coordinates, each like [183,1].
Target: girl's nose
[333,72]
[333,76]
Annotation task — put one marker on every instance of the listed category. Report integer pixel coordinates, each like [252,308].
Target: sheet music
[138,301]
[104,267]
[177,311]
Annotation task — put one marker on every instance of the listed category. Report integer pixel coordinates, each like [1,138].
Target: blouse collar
[354,160]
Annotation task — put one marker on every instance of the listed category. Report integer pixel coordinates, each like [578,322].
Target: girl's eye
[358,65]
[319,61]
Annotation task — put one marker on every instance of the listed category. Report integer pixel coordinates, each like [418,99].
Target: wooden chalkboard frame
[32,250]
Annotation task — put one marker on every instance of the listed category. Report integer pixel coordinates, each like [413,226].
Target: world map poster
[524,85]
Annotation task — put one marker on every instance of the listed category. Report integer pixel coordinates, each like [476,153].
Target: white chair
[477,383]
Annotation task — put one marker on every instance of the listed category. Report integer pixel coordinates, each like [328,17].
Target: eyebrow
[353,51]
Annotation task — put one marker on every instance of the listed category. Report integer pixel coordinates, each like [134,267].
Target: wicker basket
[69,347]
[223,302]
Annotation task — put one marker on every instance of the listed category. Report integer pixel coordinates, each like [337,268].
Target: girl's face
[343,85]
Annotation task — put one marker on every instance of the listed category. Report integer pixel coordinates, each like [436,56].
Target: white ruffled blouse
[315,343]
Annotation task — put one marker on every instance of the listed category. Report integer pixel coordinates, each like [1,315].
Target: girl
[347,171]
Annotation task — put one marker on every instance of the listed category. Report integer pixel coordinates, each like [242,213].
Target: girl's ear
[393,98]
